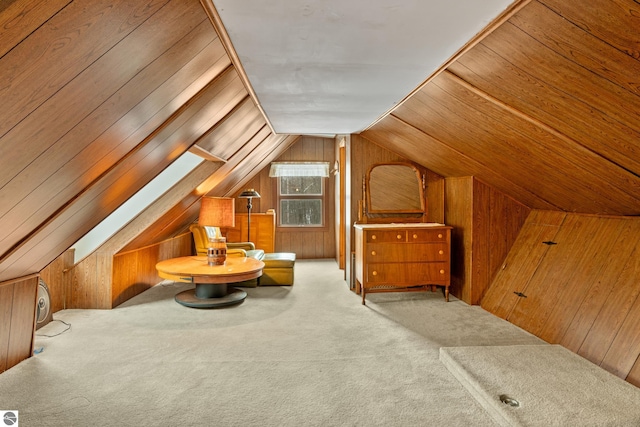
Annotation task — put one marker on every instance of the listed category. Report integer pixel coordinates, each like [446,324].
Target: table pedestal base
[210,295]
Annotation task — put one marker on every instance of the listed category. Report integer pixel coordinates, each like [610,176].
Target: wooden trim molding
[216,21]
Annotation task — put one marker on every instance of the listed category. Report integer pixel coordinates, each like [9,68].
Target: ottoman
[278,269]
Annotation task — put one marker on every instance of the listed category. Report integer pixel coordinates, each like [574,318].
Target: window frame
[322,197]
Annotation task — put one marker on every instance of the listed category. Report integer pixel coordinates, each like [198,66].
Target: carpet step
[542,385]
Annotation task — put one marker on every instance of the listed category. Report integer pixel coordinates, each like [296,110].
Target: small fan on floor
[44,314]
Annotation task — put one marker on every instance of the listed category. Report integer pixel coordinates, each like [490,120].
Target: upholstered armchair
[278,267]
[201,234]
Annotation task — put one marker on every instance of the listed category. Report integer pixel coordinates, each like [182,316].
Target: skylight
[136,204]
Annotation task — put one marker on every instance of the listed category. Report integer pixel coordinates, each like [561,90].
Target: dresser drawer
[405,274]
[418,236]
[386,236]
[381,252]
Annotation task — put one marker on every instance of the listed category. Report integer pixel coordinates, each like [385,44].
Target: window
[301,201]
[301,193]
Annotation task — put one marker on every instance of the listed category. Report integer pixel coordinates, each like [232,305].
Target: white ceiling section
[336,66]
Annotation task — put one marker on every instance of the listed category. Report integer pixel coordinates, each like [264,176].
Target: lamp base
[217,251]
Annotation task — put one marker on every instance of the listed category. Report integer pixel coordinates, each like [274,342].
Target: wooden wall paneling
[604,283]
[409,141]
[584,46]
[634,374]
[615,22]
[123,97]
[20,310]
[447,112]
[6,305]
[625,348]
[228,172]
[620,298]
[38,56]
[263,230]
[135,170]
[66,149]
[486,224]
[580,122]
[57,278]
[482,245]
[459,214]
[531,313]
[228,136]
[595,254]
[593,89]
[134,272]
[435,193]
[124,274]
[84,289]
[589,89]
[579,293]
[526,253]
[103,280]
[99,153]
[19,19]
[515,88]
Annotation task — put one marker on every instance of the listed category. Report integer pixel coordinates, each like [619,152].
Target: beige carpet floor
[547,386]
[306,355]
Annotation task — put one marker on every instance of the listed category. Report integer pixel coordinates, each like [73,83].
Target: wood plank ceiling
[97,99]
[546,108]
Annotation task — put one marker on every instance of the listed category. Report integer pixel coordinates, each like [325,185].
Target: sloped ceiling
[99,97]
[546,108]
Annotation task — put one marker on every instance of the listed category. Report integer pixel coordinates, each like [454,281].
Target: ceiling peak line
[536,122]
[515,7]
[216,21]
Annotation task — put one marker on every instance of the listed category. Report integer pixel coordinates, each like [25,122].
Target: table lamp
[217,212]
[249,194]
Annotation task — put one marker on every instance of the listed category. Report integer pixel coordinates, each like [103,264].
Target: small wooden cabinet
[263,230]
[402,257]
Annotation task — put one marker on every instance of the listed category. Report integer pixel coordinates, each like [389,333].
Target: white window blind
[279,169]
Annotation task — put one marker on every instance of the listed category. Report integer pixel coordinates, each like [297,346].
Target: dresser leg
[446,293]
[362,291]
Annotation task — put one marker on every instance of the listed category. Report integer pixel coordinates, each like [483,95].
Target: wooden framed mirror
[394,190]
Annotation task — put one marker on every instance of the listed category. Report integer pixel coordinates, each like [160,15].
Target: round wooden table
[211,281]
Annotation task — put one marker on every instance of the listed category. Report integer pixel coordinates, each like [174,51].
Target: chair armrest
[247,246]
[236,252]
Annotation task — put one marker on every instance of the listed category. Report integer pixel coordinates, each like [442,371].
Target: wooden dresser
[402,257]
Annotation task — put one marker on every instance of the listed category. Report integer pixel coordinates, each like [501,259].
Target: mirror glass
[394,188]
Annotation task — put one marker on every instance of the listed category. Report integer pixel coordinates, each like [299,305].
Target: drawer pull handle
[373,253]
[415,236]
[440,236]
[373,237]
[441,271]
[375,273]
[441,252]
[399,236]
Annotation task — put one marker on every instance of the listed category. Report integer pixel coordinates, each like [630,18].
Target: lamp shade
[217,212]
[248,194]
